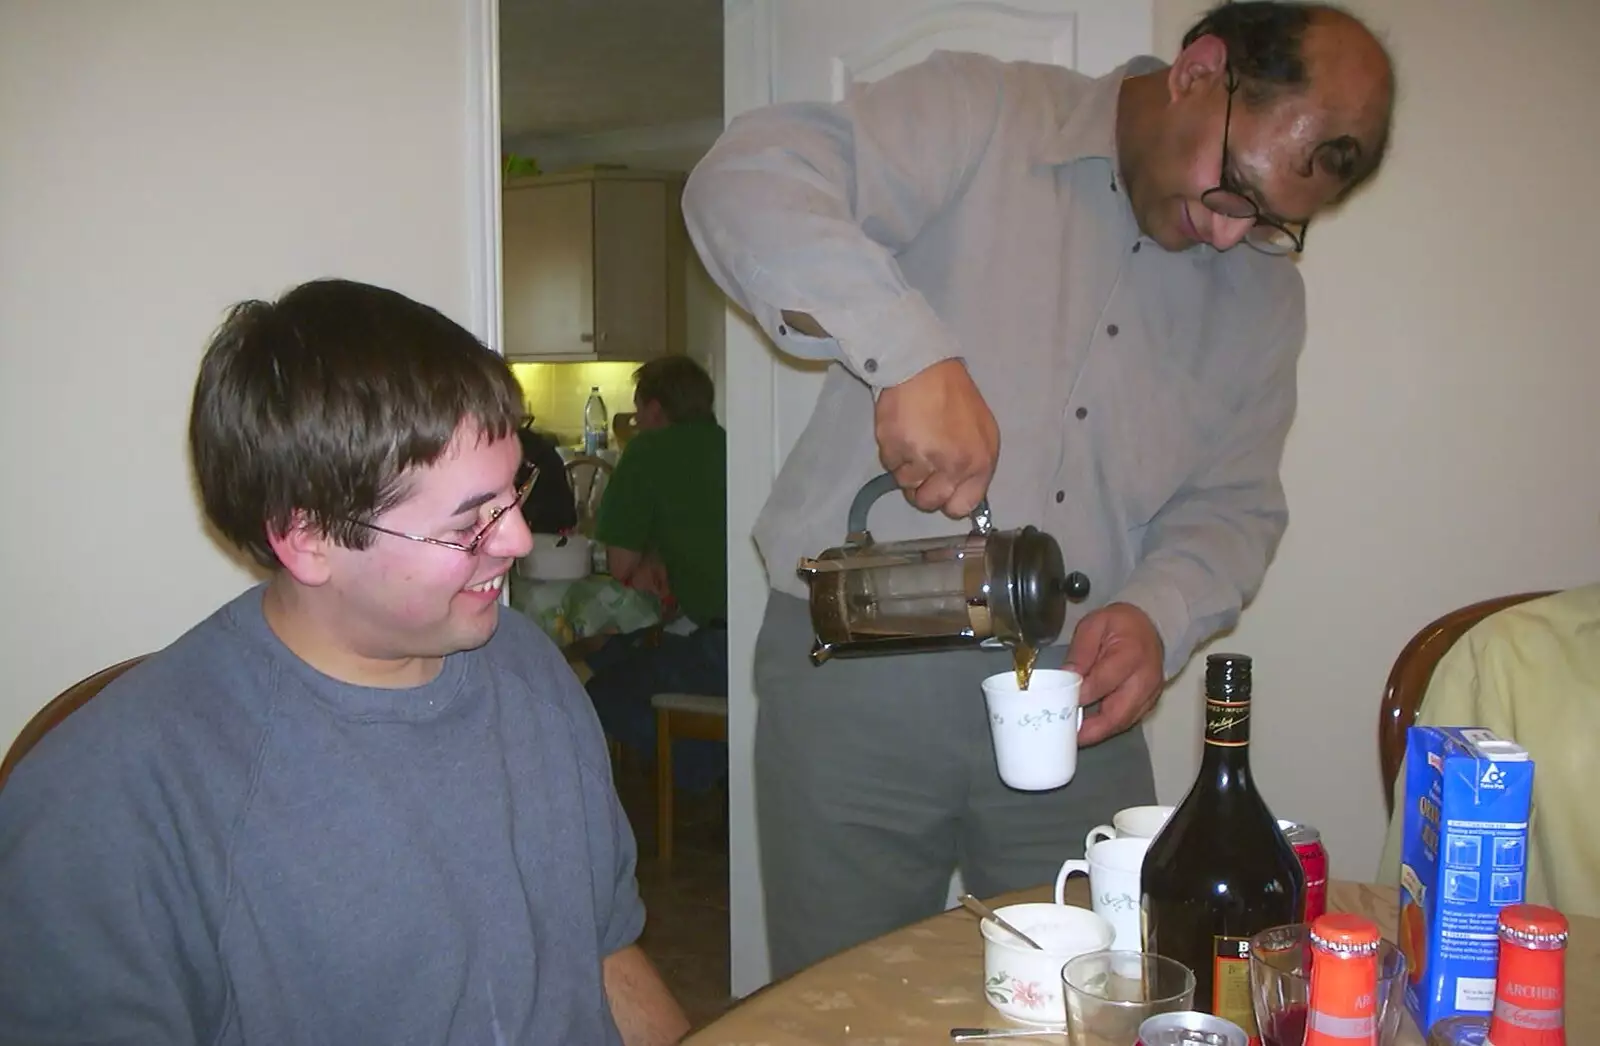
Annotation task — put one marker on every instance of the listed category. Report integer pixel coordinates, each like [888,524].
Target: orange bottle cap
[1343,932]
[1533,925]
[1533,922]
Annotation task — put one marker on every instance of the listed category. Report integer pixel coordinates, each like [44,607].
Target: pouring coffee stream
[988,588]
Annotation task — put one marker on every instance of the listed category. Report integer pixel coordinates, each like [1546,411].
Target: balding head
[1269,114]
[1327,63]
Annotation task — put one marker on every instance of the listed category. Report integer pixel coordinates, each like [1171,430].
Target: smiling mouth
[494,584]
[1188,223]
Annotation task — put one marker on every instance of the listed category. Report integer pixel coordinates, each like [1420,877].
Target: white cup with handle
[1113,867]
[1133,822]
[1035,730]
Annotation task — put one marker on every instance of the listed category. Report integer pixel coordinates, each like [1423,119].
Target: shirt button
[1061,496]
[1136,248]
[782,330]
[1082,412]
[871,366]
[1112,329]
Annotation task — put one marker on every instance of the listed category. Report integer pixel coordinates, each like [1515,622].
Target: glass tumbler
[1280,985]
[1109,994]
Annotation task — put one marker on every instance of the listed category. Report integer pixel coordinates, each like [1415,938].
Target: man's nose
[510,538]
[1228,232]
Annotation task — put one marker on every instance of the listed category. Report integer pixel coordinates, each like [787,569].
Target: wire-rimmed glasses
[471,547]
[1268,235]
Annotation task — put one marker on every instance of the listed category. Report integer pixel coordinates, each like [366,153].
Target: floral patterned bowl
[1024,984]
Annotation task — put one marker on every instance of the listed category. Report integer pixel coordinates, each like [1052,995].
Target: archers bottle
[1220,870]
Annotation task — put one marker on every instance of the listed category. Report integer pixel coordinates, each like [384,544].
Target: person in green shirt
[663,521]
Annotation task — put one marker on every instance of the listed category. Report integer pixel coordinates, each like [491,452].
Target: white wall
[162,160]
[1444,449]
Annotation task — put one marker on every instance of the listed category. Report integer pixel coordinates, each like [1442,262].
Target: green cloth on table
[669,495]
[570,610]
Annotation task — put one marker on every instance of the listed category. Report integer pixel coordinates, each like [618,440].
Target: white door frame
[751,374]
[483,170]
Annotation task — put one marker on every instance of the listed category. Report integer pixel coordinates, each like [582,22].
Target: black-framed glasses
[1268,235]
[471,547]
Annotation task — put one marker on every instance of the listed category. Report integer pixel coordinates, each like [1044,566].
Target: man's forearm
[1206,551]
[1205,556]
[780,206]
[641,1004]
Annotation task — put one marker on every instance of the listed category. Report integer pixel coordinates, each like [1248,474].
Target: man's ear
[303,550]
[1197,66]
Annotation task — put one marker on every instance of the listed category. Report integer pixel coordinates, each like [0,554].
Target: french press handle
[878,486]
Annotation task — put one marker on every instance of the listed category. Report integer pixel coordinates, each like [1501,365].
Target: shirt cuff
[883,345]
[1166,608]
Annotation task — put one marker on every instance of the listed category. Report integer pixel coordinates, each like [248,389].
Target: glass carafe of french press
[986,588]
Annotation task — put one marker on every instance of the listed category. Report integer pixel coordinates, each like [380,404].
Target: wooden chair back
[587,475]
[1413,669]
[51,715]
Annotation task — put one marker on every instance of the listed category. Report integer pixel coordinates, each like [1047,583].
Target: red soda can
[1307,843]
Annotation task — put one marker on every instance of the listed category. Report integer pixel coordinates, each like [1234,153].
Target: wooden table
[912,986]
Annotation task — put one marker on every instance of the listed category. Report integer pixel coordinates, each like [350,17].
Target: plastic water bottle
[596,423]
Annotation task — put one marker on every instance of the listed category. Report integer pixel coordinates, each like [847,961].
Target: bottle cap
[1345,933]
[1533,926]
[1228,674]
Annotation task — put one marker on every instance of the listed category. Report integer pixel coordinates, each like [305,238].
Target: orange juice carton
[1463,857]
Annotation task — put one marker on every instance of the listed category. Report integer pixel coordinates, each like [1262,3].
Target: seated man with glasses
[1089,275]
[357,803]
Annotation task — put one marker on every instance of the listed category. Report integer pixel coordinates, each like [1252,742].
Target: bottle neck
[1530,997]
[1343,998]
[1227,747]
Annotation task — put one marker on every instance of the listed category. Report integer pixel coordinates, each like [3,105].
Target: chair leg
[664,786]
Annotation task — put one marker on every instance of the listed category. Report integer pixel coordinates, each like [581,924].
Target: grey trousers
[875,779]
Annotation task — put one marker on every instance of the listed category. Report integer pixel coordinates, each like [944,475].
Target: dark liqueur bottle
[1221,870]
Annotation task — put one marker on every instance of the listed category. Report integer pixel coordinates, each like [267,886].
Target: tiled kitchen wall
[556,392]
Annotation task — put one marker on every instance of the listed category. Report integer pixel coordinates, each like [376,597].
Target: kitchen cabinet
[593,266]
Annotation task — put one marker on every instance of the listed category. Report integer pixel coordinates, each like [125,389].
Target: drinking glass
[1109,994]
[1280,985]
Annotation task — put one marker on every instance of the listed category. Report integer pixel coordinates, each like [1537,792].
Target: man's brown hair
[679,384]
[319,403]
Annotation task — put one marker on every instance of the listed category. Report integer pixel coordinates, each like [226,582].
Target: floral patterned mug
[1024,984]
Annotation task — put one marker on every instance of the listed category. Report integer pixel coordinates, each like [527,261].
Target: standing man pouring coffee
[1091,274]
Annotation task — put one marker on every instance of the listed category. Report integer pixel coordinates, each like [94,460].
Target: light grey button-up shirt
[971,208]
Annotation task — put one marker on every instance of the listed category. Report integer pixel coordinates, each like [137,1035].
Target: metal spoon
[972,904]
[976,1034]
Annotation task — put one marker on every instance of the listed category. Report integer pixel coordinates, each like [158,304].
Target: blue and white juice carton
[1463,857]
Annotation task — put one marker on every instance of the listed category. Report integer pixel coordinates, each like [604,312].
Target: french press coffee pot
[988,588]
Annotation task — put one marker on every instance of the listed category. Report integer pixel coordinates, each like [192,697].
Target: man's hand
[1119,654]
[643,571]
[651,578]
[938,437]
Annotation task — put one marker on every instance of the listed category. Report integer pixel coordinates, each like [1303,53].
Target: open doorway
[605,106]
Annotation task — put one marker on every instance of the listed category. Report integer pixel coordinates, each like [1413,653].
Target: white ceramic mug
[1113,868]
[1133,822]
[1025,984]
[1035,730]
